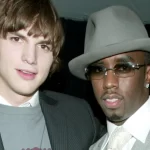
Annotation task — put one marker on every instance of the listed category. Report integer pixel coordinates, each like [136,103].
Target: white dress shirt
[34,101]
[138,125]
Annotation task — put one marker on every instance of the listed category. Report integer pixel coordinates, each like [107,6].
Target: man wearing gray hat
[116,61]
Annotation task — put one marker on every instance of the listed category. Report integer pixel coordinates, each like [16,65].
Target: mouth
[112,101]
[26,74]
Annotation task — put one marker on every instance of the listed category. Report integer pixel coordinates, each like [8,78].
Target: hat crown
[112,25]
[110,31]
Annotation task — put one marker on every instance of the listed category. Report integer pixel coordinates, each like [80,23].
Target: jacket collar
[56,122]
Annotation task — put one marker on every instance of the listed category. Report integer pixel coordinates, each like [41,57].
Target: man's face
[25,62]
[120,97]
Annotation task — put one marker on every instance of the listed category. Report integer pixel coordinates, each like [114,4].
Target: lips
[30,71]
[111,96]
[112,100]
[26,74]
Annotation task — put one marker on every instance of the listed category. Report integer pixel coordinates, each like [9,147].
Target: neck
[14,98]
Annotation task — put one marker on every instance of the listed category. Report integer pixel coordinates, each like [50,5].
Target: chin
[116,119]
[25,91]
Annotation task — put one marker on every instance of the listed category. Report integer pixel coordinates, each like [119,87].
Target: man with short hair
[31,37]
[116,60]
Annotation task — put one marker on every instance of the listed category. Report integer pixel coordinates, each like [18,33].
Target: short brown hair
[40,15]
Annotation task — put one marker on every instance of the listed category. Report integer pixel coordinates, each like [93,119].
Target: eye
[45,47]
[15,39]
[123,68]
[97,69]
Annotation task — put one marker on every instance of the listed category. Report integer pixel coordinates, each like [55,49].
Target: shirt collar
[34,101]
[138,124]
[110,127]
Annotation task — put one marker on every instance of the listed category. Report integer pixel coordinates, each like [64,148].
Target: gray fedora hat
[111,31]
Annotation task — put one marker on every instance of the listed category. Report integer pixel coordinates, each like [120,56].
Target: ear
[147,74]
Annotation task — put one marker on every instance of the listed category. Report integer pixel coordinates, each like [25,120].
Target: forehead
[135,56]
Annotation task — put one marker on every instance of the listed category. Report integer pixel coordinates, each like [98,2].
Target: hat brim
[77,65]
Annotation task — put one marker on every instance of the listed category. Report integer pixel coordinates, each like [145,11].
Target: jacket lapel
[56,123]
[1,144]
[138,145]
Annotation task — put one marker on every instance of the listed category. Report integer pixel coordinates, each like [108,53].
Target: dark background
[63,81]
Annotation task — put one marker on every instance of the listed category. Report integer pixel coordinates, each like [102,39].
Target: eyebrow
[124,59]
[121,59]
[47,42]
[97,63]
[18,34]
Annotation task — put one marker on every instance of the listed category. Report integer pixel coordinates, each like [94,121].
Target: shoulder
[78,112]
[71,106]
[65,99]
[60,96]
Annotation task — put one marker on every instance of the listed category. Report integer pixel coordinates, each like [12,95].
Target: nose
[29,54]
[110,80]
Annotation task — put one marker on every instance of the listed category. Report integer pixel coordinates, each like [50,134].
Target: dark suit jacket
[70,122]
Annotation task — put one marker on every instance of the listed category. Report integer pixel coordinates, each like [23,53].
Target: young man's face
[121,97]
[25,62]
